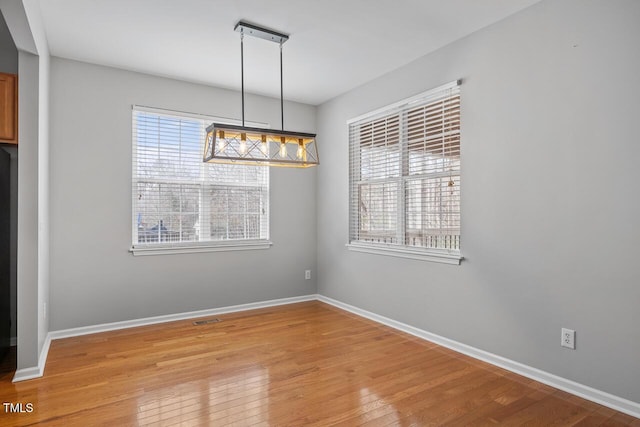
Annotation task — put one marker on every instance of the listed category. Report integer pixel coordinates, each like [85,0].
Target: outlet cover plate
[568,338]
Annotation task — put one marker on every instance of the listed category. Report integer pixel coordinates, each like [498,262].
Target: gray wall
[550,233]
[25,25]
[8,51]
[94,279]
[28,296]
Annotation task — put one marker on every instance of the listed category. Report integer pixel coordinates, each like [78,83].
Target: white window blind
[404,170]
[180,201]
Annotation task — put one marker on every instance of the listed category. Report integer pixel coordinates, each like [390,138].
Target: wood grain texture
[8,108]
[305,364]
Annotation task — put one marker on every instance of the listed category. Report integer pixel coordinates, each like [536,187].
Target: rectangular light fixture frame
[241,145]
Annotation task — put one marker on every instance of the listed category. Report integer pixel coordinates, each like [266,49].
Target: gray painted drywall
[550,233]
[25,25]
[94,279]
[27,262]
[8,51]
[43,199]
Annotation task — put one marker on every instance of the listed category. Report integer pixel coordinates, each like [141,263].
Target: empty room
[319,213]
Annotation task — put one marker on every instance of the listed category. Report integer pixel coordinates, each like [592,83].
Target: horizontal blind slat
[178,198]
[404,169]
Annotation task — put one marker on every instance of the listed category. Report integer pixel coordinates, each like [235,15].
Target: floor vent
[206,321]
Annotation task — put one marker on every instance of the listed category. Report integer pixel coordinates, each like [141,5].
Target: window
[404,171]
[182,203]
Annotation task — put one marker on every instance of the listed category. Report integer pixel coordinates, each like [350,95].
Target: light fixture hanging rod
[281,92]
[242,72]
[260,32]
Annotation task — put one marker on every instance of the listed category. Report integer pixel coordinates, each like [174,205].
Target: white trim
[36,371]
[419,97]
[105,327]
[405,252]
[196,248]
[614,402]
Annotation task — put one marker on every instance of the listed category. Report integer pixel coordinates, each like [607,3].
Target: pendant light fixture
[243,145]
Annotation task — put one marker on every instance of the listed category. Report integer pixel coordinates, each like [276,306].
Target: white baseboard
[614,402]
[36,371]
[105,327]
[586,392]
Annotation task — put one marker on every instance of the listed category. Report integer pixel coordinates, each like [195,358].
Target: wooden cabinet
[9,108]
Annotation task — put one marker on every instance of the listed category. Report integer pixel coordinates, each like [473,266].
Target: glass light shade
[231,144]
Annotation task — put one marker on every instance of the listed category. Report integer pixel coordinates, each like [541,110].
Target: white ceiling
[334,45]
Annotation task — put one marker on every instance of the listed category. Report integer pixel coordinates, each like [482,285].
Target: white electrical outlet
[307,275]
[568,338]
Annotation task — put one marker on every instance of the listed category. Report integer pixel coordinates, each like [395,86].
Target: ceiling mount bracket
[260,32]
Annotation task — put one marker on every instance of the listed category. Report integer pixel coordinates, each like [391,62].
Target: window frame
[400,109]
[181,247]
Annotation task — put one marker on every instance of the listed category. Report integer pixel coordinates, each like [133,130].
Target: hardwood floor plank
[305,364]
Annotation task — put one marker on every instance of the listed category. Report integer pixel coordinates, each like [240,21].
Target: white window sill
[407,252]
[144,250]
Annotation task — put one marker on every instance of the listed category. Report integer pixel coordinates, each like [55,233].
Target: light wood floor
[306,364]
